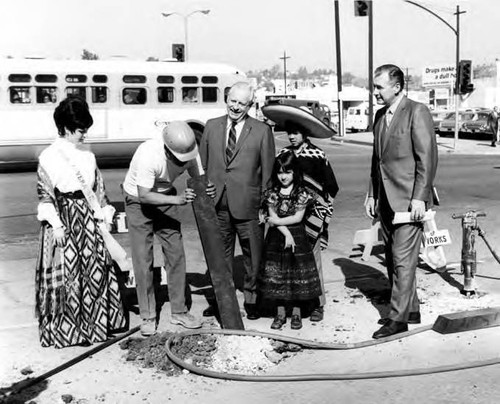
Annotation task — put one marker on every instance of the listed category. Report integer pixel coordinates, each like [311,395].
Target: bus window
[46,95]
[165,79]
[209,80]
[209,94]
[134,96]
[19,95]
[190,94]
[76,91]
[165,94]
[46,78]
[19,78]
[76,78]
[100,78]
[99,94]
[134,79]
[189,79]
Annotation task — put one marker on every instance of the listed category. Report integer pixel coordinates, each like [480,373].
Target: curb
[341,139]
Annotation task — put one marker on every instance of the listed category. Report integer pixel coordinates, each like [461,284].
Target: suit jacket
[248,173]
[404,159]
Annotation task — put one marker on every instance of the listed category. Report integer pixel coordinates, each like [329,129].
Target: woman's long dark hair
[287,161]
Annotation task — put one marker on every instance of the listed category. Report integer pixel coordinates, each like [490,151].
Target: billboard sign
[434,76]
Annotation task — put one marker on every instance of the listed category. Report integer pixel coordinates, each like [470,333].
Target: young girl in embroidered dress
[77,295]
[289,275]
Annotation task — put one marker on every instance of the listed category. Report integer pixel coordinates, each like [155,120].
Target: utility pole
[284,58]
[456,31]
[407,80]
[457,76]
[340,106]
[370,65]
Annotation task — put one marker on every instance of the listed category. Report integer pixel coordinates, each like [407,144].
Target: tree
[348,78]
[152,59]
[360,82]
[485,70]
[302,73]
[87,55]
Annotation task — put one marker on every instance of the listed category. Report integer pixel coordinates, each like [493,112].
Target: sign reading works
[438,76]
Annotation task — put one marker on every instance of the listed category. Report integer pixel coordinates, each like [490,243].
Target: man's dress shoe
[390,328]
[252,311]
[210,311]
[413,318]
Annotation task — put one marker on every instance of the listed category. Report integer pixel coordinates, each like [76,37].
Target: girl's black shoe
[296,323]
[278,322]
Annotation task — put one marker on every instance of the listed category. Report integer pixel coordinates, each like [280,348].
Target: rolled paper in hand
[405,217]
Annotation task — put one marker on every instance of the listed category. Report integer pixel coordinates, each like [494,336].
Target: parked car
[438,117]
[479,124]
[447,125]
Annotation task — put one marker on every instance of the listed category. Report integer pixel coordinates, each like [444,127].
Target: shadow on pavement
[15,394]
[372,283]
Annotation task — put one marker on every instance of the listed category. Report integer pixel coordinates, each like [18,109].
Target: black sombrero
[310,126]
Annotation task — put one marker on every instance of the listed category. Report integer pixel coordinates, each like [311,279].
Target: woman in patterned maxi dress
[77,296]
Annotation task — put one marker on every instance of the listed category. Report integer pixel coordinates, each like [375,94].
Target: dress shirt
[238,128]
[391,110]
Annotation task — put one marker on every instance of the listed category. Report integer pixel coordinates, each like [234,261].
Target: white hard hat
[180,140]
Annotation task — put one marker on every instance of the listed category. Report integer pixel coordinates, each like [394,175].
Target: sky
[252,34]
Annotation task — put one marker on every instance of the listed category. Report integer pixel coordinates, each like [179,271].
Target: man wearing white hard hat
[150,201]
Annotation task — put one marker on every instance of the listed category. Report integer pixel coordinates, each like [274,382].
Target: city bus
[130,102]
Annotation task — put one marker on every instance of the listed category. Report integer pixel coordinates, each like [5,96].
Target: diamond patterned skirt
[78,299]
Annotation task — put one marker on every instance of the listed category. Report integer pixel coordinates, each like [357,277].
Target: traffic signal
[361,8]
[465,77]
[178,52]
[432,96]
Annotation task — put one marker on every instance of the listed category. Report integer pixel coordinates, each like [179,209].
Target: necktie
[231,141]
[381,133]
[388,117]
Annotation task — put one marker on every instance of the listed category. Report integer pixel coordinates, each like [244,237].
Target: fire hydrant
[469,264]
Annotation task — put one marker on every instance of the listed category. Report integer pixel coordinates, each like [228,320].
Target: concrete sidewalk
[445,144]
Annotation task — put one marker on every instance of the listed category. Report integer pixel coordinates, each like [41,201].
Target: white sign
[437,237]
[442,93]
[438,76]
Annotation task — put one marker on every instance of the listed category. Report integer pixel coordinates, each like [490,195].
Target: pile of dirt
[220,353]
[150,353]
[195,350]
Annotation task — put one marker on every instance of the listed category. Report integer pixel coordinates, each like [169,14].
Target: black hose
[483,236]
[71,362]
[318,345]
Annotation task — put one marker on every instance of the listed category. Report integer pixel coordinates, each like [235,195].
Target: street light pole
[185,20]
[456,31]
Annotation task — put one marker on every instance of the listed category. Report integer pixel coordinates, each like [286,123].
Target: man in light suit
[404,164]
[237,153]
